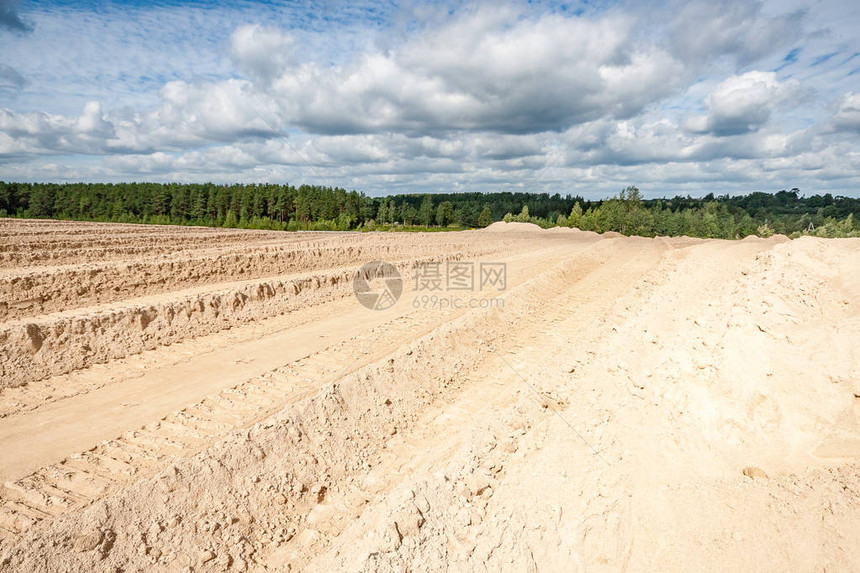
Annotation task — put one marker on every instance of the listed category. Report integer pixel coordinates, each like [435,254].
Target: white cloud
[194,114]
[709,29]
[487,71]
[43,133]
[11,79]
[847,115]
[744,103]
[260,52]
[715,96]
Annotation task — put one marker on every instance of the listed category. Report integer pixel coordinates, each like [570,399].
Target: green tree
[445,214]
[408,213]
[765,230]
[303,207]
[575,217]
[425,211]
[486,217]
[382,213]
[277,206]
[632,221]
[230,219]
[41,202]
[352,207]
[523,217]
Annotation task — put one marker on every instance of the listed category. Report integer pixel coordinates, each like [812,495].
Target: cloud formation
[9,18]
[707,30]
[486,71]
[683,97]
[10,79]
[744,103]
[43,133]
[847,115]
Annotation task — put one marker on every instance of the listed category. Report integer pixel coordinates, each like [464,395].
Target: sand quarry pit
[189,399]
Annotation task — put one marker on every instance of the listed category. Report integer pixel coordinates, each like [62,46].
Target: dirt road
[215,399]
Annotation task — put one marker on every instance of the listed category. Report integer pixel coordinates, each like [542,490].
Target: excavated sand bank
[222,402]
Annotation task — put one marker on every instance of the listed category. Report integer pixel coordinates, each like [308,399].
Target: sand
[200,399]
[513,227]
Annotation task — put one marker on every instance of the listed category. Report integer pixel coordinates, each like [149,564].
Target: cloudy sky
[383,97]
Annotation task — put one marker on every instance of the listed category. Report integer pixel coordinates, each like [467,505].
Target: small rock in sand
[754,472]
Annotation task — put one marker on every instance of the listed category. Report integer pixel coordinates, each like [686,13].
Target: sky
[581,98]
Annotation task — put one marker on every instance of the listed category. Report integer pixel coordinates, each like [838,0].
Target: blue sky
[384,97]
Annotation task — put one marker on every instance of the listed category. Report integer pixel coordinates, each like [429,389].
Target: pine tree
[486,217]
[575,218]
[524,217]
[444,214]
[382,213]
[425,211]
[230,219]
[408,213]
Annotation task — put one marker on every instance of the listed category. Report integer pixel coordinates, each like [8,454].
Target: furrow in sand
[188,431]
[39,290]
[530,306]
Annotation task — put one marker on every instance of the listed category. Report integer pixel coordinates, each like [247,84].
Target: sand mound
[505,227]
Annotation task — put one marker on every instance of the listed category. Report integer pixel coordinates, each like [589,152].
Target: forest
[308,207]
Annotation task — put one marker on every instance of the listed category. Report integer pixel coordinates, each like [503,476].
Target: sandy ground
[185,399]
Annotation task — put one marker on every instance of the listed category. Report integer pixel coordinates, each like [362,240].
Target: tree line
[286,207]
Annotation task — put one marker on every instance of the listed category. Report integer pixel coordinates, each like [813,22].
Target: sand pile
[505,227]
